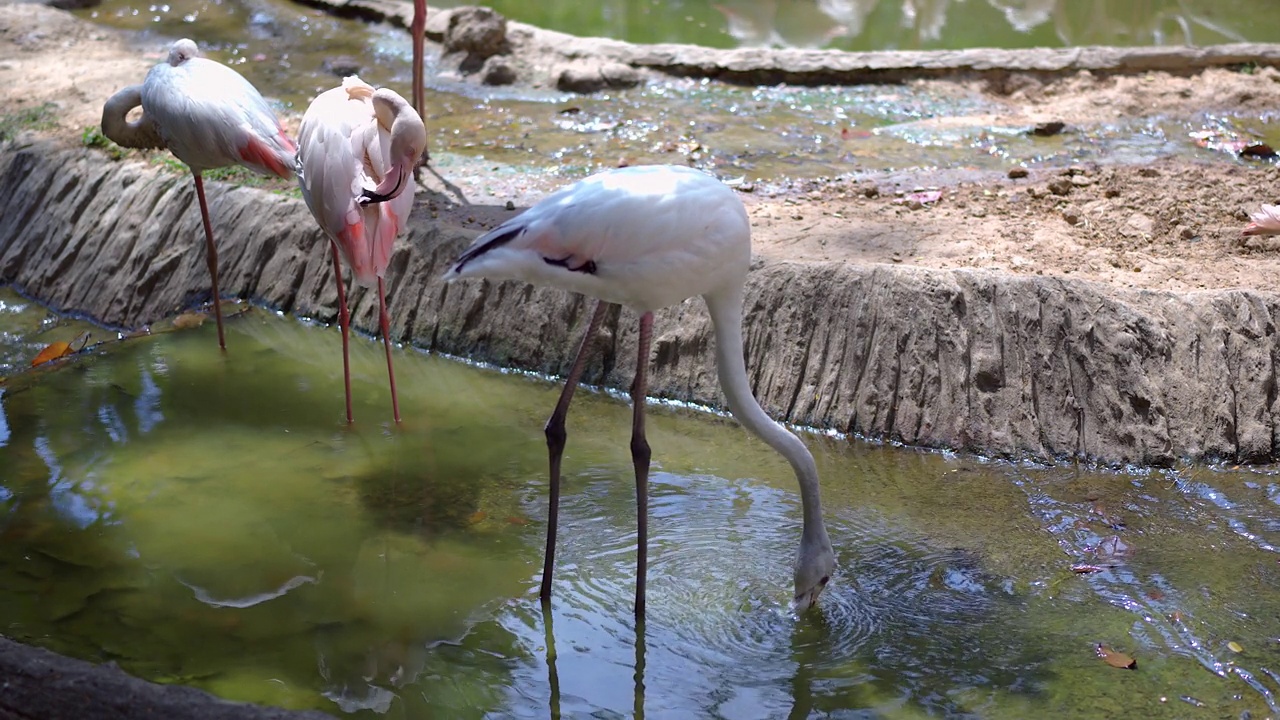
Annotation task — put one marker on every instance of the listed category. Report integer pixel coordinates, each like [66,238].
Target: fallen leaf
[477,516]
[52,352]
[188,320]
[1258,150]
[1235,647]
[1115,659]
[1083,569]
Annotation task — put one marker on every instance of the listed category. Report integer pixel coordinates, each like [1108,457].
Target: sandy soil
[1173,225]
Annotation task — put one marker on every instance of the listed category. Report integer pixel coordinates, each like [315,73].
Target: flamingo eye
[825,579]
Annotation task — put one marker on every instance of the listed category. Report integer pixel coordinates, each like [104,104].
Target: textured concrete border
[765,66]
[36,684]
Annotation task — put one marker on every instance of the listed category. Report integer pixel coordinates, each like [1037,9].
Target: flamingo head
[1264,222]
[408,140]
[815,563]
[183,50]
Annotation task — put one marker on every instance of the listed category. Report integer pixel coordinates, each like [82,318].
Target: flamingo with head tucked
[356,153]
[651,237]
[208,116]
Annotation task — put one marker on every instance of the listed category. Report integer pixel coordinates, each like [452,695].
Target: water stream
[210,520]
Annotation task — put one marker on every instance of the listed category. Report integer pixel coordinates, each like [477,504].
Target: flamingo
[650,237]
[356,153]
[208,116]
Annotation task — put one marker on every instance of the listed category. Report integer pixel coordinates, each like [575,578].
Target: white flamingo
[208,116]
[648,238]
[356,152]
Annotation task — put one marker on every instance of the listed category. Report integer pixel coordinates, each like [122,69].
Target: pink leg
[556,436]
[419,28]
[344,322]
[640,458]
[386,342]
[211,256]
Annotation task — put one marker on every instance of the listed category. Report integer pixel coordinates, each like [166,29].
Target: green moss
[40,117]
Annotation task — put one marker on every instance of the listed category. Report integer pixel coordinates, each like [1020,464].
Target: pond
[764,134]
[210,520]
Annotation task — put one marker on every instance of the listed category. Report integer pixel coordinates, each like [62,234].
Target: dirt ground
[1172,225]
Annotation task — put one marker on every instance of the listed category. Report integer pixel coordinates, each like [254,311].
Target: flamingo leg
[385,321]
[211,257]
[418,28]
[344,322]
[556,436]
[640,457]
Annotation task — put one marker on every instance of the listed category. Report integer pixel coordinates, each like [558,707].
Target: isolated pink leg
[344,323]
[386,342]
[556,436]
[419,28]
[211,256]
[640,458]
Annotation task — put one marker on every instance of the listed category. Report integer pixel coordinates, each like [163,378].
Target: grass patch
[92,137]
[40,117]
[231,174]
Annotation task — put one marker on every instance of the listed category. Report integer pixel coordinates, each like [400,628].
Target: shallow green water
[761,134]
[905,24]
[210,520]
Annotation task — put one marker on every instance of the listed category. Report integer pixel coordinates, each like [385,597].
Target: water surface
[210,520]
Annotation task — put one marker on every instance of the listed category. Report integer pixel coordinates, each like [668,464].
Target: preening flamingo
[356,152]
[647,238]
[208,116]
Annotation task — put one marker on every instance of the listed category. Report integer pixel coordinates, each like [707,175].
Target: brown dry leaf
[188,320]
[1115,659]
[52,352]
[1084,569]
[476,517]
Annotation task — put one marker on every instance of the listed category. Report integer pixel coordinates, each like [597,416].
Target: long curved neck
[726,316]
[140,133]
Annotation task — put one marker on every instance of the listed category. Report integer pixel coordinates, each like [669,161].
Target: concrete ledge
[1000,364]
[36,684]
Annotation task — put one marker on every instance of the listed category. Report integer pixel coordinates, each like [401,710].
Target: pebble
[1060,186]
[1072,216]
[1017,173]
[872,192]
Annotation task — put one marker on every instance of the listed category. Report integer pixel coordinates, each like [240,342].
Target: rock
[341,65]
[1138,225]
[1016,173]
[1071,215]
[871,192]
[497,70]
[73,4]
[1060,186]
[478,32]
[1048,129]
[584,77]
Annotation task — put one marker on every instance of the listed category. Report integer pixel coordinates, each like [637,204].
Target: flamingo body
[209,116]
[623,236]
[356,152]
[650,237]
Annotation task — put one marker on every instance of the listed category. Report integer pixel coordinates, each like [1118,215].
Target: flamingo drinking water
[208,116]
[356,153]
[647,238]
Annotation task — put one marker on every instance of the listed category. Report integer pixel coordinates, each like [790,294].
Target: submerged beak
[391,186]
[804,601]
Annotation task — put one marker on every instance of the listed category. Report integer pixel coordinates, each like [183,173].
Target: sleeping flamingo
[650,237]
[208,116]
[356,153]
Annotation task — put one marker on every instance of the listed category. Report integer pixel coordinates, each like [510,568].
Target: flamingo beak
[395,182]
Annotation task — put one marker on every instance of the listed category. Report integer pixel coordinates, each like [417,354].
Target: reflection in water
[230,532]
